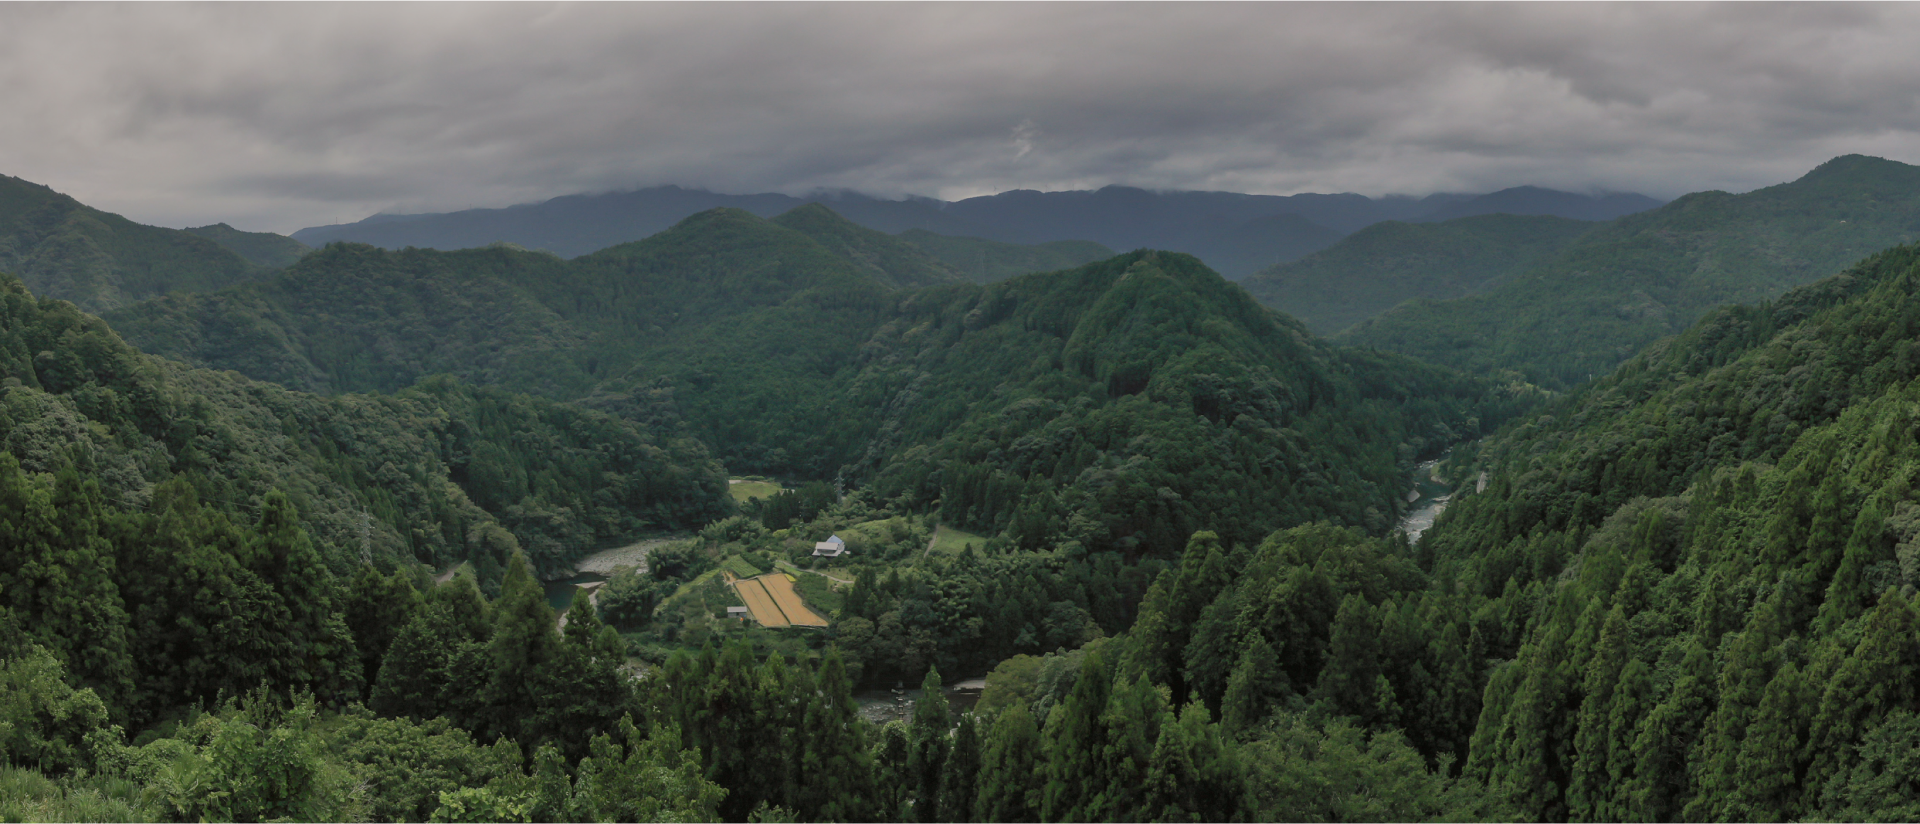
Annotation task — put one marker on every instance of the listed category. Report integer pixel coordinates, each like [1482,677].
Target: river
[1430,496]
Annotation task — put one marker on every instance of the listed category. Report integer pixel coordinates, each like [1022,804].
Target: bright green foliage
[1331,771]
[407,765]
[255,761]
[646,779]
[484,804]
[43,720]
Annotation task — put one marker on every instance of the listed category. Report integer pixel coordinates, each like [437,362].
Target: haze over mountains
[1236,234]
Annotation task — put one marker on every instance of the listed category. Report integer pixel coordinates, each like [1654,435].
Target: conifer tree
[523,641]
[930,747]
[959,786]
[1011,776]
[1257,682]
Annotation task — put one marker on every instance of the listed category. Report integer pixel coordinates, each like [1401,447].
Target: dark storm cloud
[276,117]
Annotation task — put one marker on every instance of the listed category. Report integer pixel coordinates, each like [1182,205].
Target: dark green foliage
[989,261]
[259,248]
[1371,270]
[1700,564]
[99,261]
[888,260]
[1131,402]
[1646,276]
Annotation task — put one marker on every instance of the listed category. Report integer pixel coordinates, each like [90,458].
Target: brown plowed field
[760,603]
[789,601]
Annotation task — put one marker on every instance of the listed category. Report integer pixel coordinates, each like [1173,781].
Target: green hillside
[889,261]
[260,248]
[1127,403]
[987,261]
[1698,570]
[63,249]
[402,477]
[788,357]
[1648,275]
[1371,270]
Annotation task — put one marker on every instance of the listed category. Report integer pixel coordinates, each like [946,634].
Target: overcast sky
[275,117]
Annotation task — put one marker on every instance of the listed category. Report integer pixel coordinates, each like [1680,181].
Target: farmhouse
[830,548]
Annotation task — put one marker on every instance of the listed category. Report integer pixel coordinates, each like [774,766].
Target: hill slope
[1371,270]
[1734,512]
[986,261]
[63,249]
[260,248]
[788,356]
[1649,275]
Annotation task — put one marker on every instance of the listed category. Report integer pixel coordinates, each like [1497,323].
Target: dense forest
[1376,268]
[1161,519]
[759,336]
[1575,316]
[98,260]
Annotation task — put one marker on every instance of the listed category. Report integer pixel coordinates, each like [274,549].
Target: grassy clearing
[744,491]
[740,566]
[948,539]
[818,593]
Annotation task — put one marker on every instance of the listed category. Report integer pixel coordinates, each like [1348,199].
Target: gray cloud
[281,116]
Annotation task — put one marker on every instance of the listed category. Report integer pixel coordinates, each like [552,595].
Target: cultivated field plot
[774,603]
[760,603]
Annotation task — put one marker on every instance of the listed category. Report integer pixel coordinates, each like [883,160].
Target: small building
[739,613]
[832,547]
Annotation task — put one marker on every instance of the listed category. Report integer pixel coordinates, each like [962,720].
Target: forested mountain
[63,249]
[1086,421]
[1370,271]
[1159,514]
[985,261]
[781,344]
[405,476]
[261,248]
[1236,234]
[1693,579]
[887,260]
[1645,276]
[1533,200]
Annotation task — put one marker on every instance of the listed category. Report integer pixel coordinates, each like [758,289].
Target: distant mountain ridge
[1580,312]
[1237,234]
[1376,268]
